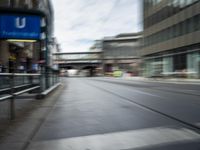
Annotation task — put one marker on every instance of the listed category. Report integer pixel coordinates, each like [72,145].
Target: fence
[15,84]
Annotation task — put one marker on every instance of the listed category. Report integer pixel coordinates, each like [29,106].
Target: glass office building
[171,44]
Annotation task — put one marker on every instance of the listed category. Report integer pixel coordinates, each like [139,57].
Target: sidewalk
[30,114]
[177,85]
[164,80]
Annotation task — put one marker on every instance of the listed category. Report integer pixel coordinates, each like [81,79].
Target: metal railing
[15,84]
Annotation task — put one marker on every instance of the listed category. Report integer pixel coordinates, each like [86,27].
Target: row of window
[150,3]
[120,52]
[172,7]
[187,26]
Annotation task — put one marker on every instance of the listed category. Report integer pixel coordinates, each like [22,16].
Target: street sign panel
[19,27]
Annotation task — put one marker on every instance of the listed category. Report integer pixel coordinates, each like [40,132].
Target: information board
[19,27]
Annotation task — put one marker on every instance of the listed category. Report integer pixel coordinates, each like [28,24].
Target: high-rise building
[171,45]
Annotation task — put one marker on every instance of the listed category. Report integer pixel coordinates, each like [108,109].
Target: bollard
[12,108]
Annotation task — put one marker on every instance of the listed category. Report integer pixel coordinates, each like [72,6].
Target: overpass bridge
[78,60]
[92,60]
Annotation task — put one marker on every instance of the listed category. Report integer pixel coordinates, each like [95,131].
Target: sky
[78,23]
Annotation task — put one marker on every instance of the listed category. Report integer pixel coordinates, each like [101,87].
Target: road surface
[115,114]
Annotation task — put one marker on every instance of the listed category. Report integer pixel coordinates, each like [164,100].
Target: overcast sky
[79,22]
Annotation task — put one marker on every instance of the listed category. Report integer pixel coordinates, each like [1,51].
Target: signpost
[20,27]
[24,26]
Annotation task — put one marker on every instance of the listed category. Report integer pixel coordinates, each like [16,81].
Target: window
[175,32]
[180,62]
[182,3]
[196,22]
[185,27]
[173,7]
[190,24]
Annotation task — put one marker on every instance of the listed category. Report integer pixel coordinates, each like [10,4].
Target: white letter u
[20,22]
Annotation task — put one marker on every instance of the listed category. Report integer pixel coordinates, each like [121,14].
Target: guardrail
[15,84]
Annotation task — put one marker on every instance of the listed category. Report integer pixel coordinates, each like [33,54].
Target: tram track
[186,124]
[155,88]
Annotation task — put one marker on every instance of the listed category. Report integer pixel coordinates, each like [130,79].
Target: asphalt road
[113,114]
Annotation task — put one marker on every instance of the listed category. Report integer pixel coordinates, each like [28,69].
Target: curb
[162,80]
[48,91]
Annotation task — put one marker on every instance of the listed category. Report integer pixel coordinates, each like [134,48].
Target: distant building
[23,56]
[171,38]
[54,48]
[97,46]
[122,52]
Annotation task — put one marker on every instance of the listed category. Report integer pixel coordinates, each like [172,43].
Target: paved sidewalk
[185,86]
[30,114]
[165,80]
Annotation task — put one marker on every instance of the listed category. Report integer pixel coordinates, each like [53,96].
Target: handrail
[27,90]
[11,91]
[5,74]
[15,84]
[15,87]
[19,74]
[5,97]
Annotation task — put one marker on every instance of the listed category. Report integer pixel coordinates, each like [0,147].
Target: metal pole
[103,62]
[46,58]
[12,100]
[42,70]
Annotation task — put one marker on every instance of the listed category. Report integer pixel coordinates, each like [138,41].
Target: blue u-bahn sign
[19,27]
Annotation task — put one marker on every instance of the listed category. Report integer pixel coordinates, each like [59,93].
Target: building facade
[171,43]
[122,52]
[25,55]
[54,48]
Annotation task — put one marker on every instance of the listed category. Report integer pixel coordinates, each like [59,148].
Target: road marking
[147,93]
[141,92]
[120,140]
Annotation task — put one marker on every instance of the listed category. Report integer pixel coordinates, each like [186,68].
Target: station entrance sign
[20,27]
